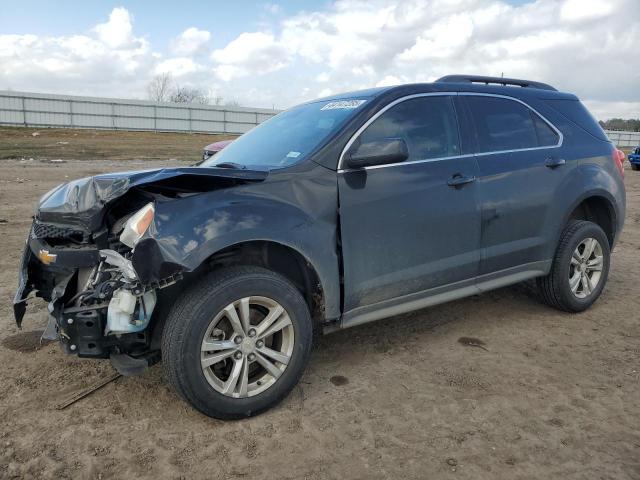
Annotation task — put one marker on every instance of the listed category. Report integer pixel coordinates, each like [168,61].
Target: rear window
[575,111]
[503,124]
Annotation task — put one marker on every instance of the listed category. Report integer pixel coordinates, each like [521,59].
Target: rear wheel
[580,268]
[236,343]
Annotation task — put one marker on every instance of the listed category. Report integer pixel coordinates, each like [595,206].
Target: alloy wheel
[247,347]
[585,270]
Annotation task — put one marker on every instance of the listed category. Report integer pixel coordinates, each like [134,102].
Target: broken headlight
[137,224]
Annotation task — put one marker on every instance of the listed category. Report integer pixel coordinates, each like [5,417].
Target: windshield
[287,138]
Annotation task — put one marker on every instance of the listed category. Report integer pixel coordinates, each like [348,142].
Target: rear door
[521,168]
[404,229]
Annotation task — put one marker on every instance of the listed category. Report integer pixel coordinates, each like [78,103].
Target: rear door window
[427,125]
[503,124]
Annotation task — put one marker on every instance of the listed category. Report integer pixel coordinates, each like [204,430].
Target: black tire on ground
[189,319]
[635,167]
[554,288]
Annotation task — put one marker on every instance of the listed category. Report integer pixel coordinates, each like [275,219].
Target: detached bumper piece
[46,269]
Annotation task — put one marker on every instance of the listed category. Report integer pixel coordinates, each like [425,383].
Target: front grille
[49,231]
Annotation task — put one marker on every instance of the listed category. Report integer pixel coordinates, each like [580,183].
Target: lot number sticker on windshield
[343,105]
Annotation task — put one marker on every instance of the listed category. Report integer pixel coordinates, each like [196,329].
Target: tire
[193,316]
[635,167]
[555,288]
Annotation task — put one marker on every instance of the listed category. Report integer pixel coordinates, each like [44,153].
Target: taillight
[618,159]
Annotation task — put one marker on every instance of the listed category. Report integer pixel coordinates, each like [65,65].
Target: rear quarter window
[578,114]
[547,137]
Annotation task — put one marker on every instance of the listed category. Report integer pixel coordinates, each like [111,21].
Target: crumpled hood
[81,202]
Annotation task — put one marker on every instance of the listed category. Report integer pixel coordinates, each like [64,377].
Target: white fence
[624,139]
[66,111]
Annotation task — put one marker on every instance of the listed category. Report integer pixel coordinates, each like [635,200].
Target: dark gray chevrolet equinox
[334,213]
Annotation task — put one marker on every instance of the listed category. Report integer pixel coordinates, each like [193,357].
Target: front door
[411,226]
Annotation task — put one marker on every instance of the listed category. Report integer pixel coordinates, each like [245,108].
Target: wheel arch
[597,207]
[279,257]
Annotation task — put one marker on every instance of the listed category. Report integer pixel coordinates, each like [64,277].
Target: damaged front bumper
[47,270]
[102,289]
[97,307]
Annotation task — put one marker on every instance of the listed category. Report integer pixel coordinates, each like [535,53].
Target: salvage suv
[332,214]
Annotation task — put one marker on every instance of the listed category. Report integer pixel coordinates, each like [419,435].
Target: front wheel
[237,342]
[580,268]
[635,167]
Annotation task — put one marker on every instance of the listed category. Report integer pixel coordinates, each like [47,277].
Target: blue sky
[282,52]
[164,20]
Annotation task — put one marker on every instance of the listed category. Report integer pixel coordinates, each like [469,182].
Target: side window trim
[364,126]
[468,132]
[531,110]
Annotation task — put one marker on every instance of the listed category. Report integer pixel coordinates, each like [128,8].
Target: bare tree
[159,88]
[232,103]
[189,95]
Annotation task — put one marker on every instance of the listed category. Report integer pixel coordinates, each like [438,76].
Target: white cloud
[579,10]
[272,8]
[445,39]
[388,81]
[587,47]
[605,110]
[250,54]
[191,42]
[179,67]
[113,61]
[118,31]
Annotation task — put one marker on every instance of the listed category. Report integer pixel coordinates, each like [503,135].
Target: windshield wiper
[230,165]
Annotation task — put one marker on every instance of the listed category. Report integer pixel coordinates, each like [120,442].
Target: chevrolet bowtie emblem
[46,257]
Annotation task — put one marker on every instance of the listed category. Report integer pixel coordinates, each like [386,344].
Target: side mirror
[378,152]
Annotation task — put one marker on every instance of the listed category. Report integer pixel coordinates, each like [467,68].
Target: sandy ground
[553,395]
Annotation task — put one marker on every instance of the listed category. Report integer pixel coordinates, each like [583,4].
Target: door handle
[553,162]
[459,180]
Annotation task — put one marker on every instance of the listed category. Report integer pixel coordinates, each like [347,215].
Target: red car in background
[213,148]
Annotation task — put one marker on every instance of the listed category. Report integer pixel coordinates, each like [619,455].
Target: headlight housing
[137,224]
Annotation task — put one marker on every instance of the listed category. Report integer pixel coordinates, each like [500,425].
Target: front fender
[187,231]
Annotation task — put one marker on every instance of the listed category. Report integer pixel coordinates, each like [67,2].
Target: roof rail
[495,80]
